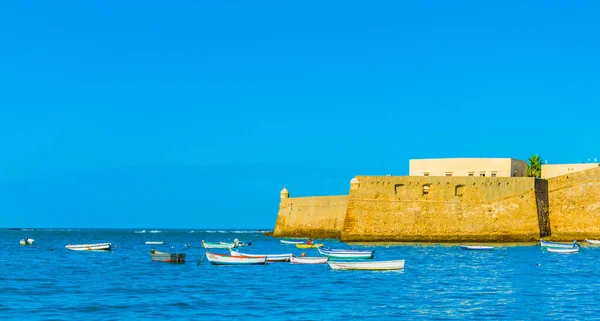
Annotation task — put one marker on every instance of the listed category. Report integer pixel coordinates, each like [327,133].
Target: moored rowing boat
[26,242]
[217,245]
[89,247]
[309,246]
[476,247]
[593,241]
[155,242]
[369,265]
[290,242]
[562,250]
[559,245]
[270,257]
[157,256]
[346,254]
[224,259]
[308,260]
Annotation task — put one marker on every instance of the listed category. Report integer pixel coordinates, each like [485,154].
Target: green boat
[218,245]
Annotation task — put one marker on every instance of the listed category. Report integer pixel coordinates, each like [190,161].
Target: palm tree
[534,168]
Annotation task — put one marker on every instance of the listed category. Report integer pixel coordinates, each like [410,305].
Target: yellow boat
[308,246]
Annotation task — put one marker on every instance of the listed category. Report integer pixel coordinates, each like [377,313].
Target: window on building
[459,190]
[471,174]
[482,174]
[425,189]
[399,189]
[426,174]
[493,174]
[448,173]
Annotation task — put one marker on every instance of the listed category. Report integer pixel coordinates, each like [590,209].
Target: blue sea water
[439,282]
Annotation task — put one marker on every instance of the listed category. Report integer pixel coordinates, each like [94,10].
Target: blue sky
[196,114]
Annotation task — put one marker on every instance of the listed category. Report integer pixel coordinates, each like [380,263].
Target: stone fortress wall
[444,209]
[315,216]
[575,205]
[450,209]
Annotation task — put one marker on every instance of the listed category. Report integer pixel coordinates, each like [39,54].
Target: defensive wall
[575,205]
[316,216]
[446,209]
[422,209]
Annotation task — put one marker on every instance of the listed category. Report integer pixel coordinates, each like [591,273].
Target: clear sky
[196,113]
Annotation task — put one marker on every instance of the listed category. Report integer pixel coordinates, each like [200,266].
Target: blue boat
[572,245]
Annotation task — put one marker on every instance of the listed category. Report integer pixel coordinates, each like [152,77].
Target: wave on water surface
[235,231]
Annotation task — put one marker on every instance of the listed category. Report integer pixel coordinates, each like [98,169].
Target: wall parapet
[443,209]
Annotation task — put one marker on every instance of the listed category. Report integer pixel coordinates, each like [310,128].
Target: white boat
[548,244]
[290,242]
[26,241]
[476,247]
[155,231]
[224,259]
[593,241]
[155,242]
[89,247]
[308,260]
[346,254]
[562,250]
[217,245]
[270,257]
[368,265]
[142,231]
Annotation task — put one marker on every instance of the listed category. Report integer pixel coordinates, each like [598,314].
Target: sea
[439,282]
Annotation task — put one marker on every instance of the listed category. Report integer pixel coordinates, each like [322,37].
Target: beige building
[554,170]
[484,167]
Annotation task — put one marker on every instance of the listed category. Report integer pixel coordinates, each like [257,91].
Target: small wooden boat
[217,245]
[309,246]
[308,260]
[562,250]
[26,242]
[368,265]
[290,242]
[89,247]
[155,242]
[157,256]
[346,254]
[593,241]
[224,259]
[476,247]
[559,245]
[270,257]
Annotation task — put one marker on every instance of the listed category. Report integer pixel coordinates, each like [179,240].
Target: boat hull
[559,245]
[308,260]
[270,257]
[154,242]
[222,259]
[29,242]
[368,266]
[157,256]
[309,246]
[347,254]
[220,245]
[476,248]
[89,247]
[291,242]
[562,251]
[593,241]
